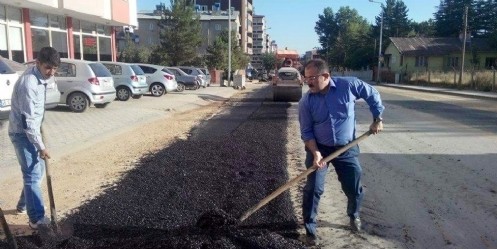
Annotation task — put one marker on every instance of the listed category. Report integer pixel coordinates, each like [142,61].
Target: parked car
[10,71]
[84,83]
[185,81]
[202,78]
[129,80]
[159,80]
[207,75]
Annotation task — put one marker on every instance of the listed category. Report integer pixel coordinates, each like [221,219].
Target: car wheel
[157,89]
[181,87]
[102,105]
[78,102]
[123,93]
[137,96]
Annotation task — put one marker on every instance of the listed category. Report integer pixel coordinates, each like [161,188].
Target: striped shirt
[28,106]
[330,118]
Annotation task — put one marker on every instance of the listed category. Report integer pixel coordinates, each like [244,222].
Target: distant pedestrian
[25,119]
[327,123]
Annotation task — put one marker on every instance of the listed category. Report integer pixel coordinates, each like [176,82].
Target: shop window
[3,41]
[2,13]
[14,15]
[77,46]
[16,44]
[59,42]
[105,49]
[38,19]
[40,39]
[90,48]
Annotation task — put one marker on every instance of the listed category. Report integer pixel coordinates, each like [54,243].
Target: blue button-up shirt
[28,106]
[330,118]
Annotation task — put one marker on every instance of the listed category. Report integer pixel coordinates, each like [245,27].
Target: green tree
[132,53]
[395,21]
[217,56]
[180,32]
[423,29]
[449,17]
[269,61]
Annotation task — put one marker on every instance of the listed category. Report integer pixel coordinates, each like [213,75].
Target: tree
[132,53]
[423,29]
[269,61]
[449,17]
[217,56]
[180,32]
[341,35]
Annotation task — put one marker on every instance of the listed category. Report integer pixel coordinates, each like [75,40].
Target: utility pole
[378,78]
[463,44]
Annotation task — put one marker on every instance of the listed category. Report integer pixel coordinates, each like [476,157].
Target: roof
[420,46]
[287,53]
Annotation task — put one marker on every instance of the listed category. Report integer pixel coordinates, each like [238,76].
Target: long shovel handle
[10,238]
[53,212]
[301,176]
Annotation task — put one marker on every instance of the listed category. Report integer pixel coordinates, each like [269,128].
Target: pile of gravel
[214,176]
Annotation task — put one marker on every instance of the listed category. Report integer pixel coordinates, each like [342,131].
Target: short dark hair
[49,56]
[319,64]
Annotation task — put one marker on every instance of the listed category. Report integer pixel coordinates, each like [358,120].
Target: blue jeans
[348,171]
[33,170]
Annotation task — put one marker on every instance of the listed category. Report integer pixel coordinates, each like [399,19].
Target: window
[453,62]
[66,70]
[421,61]
[148,70]
[114,69]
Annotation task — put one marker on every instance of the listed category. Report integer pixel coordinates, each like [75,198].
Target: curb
[470,94]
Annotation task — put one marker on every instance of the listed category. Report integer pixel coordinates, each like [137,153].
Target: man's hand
[317,161]
[376,127]
[44,154]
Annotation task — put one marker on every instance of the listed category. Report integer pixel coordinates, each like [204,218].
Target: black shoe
[309,240]
[355,224]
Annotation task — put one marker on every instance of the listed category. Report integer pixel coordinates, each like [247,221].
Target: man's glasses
[312,78]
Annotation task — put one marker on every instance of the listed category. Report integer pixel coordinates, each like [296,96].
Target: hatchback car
[207,75]
[84,83]
[129,80]
[185,81]
[159,80]
[9,73]
[202,78]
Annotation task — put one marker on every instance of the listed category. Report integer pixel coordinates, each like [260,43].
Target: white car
[159,80]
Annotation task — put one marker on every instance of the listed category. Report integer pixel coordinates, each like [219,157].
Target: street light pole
[381,39]
[229,42]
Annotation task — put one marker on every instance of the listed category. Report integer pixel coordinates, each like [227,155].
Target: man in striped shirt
[25,119]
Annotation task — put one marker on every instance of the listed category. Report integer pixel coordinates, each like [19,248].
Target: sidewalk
[464,93]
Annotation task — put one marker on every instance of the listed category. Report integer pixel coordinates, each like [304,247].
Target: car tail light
[169,77]
[134,78]
[94,81]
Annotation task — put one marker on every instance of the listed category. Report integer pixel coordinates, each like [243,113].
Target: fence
[480,80]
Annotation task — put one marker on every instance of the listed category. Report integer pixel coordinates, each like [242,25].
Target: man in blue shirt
[327,122]
[26,116]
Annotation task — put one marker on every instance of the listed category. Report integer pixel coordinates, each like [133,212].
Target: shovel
[53,212]
[301,176]
[10,238]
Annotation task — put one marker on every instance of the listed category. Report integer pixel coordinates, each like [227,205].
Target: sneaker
[43,222]
[355,224]
[21,211]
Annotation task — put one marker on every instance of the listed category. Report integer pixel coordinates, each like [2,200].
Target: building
[261,41]
[212,21]
[77,29]
[408,55]
[246,10]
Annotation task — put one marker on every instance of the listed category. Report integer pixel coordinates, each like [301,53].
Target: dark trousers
[349,172]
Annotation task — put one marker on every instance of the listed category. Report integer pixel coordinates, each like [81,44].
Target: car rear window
[100,70]
[288,75]
[204,71]
[5,69]
[169,71]
[137,70]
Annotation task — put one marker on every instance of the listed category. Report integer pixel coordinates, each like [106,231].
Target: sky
[291,22]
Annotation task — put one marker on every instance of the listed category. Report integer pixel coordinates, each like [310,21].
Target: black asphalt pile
[191,194]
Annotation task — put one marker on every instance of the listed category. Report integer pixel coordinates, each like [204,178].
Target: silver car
[129,80]
[202,78]
[9,73]
[84,83]
[159,80]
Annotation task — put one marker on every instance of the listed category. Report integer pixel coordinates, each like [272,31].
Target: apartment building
[262,41]
[212,21]
[77,29]
[246,9]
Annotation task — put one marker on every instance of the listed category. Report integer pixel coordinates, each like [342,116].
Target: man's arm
[31,118]
[372,97]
